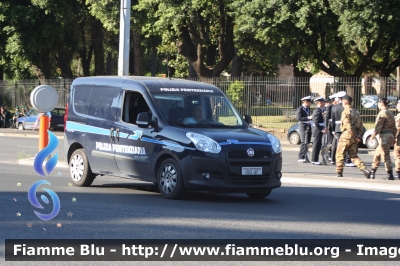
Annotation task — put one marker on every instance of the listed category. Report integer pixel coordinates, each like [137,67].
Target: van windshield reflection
[194,110]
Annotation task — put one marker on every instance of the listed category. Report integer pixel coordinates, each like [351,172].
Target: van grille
[239,158]
[242,154]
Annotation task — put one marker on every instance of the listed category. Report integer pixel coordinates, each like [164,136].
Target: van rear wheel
[259,195]
[79,169]
[170,180]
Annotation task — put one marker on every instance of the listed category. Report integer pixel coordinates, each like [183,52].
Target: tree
[37,32]
[202,31]
[339,37]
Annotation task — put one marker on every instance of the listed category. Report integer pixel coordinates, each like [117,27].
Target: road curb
[343,182]
[22,135]
[29,161]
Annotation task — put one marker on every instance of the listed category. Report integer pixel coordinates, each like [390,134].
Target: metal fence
[270,101]
[17,93]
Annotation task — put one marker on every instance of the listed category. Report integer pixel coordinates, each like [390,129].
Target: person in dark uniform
[318,129]
[336,114]
[328,119]
[304,118]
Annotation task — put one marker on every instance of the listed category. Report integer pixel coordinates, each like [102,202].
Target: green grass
[23,155]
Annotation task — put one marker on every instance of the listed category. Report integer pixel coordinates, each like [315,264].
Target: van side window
[104,102]
[81,98]
[134,103]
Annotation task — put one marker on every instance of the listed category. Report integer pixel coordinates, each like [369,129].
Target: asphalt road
[311,204]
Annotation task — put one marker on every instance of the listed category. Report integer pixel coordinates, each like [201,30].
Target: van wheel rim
[76,168]
[168,178]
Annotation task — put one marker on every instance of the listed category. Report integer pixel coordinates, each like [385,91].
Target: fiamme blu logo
[49,165]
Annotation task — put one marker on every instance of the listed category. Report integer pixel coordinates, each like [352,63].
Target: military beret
[347,97]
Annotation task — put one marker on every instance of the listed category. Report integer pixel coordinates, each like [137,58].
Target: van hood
[235,136]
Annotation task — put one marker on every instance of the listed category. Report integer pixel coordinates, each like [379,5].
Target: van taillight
[66,116]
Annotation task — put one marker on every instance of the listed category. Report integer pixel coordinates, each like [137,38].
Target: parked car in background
[293,135]
[371,143]
[31,120]
[371,101]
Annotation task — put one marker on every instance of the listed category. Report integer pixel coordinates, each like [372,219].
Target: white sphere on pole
[44,98]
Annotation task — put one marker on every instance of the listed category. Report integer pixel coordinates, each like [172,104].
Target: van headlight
[204,143]
[276,144]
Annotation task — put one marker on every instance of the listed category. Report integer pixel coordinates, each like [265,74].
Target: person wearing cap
[385,126]
[303,117]
[3,116]
[318,130]
[351,128]
[336,114]
[396,149]
[13,120]
[328,119]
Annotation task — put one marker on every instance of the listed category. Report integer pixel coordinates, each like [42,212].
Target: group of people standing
[343,127]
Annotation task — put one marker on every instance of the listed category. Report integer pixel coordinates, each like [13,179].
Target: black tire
[79,169]
[294,138]
[259,195]
[21,126]
[372,143]
[170,180]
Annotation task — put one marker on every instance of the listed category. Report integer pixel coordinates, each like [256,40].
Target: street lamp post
[124,36]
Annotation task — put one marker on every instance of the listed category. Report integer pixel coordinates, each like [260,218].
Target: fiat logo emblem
[250,152]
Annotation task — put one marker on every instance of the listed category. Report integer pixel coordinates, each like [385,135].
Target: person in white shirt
[197,112]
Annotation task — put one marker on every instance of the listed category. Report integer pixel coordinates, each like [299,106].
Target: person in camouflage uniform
[396,149]
[352,130]
[385,126]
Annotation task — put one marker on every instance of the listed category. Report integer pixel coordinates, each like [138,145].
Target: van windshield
[194,110]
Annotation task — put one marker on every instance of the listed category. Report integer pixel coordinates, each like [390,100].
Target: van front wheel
[170,180]
[79,169]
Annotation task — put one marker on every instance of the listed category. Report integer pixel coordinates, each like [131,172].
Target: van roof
[152,83]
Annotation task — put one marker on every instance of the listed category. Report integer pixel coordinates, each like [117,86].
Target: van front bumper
[223,172]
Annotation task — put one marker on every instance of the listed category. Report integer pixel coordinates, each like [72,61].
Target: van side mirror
[248,120]
[143,120]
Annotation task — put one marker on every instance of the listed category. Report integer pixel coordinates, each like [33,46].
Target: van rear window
[81,98]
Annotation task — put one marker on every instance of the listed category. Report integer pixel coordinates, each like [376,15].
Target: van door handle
[111,133]
[117,135]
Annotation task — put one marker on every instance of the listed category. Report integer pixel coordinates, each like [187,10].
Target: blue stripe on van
[73,126]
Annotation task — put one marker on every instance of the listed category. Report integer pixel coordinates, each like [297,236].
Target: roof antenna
[168,67]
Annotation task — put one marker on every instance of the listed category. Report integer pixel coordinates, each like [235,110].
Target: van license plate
[251,170]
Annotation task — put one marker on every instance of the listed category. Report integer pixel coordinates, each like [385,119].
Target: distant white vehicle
[371,101]
[371,143]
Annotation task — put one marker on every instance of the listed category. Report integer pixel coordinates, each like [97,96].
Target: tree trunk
[42,66]
[237,65]
[86,57]
[98,48]
[153,66]
[64,64]
[192,72]
[109,64]
[1,72]
[137,53]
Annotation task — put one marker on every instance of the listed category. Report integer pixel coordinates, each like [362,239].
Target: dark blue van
[181,135]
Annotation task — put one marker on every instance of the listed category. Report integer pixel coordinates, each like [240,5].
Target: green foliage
[235,93]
